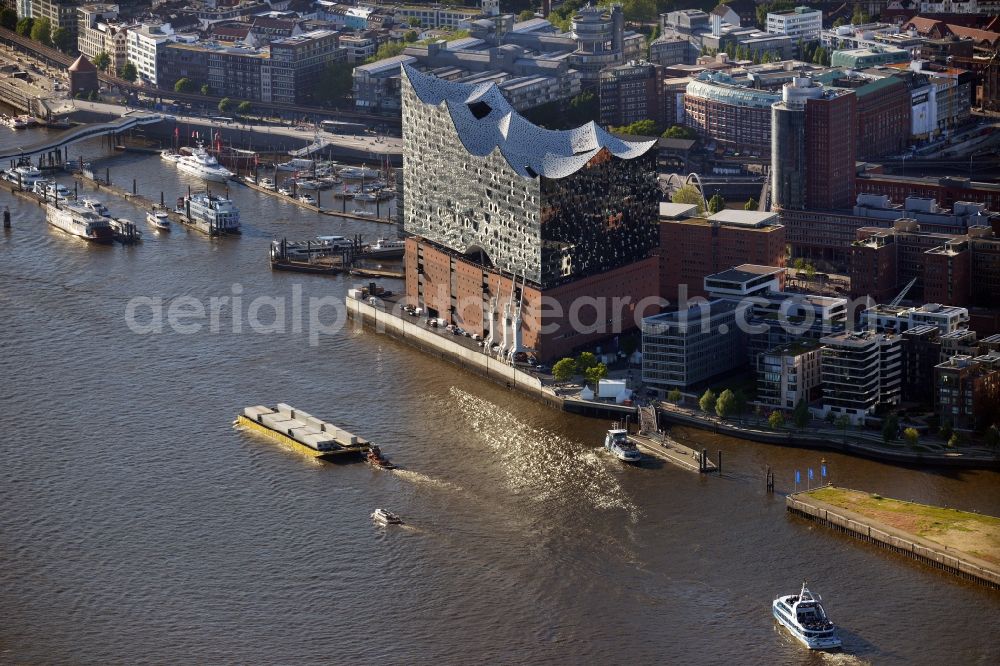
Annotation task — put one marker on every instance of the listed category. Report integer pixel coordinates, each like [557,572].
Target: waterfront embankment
[959,542]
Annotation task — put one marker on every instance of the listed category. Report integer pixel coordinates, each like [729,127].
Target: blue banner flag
[810,473]
[822,471]
[798,476]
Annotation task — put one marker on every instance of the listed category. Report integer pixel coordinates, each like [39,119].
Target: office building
[871,57]
[297,62]
[503,214]
[60,13]
[730,112]
[812,166]
[693,247]
[672,50]
[99,31]
[860,370]
[144,47]
[801,23]
[901,318]
[630,93]
[921,353]
[686,348]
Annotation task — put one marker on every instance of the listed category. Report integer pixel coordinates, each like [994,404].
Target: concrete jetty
[867,528]
[315,208]
[673,452]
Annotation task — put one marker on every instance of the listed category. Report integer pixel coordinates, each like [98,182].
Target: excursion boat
[79,221]
[385,248]
[95,206]
[618,443]
[301,431]
[25,174]
[803,615]
[209,213]
[200,163]
[385,517]
[159,219]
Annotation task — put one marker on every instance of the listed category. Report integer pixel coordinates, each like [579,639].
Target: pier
[825,506]
[317,207]
[59,141]
[658,444]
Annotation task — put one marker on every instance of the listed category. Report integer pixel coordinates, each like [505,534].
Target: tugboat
[384,517]
[376,459]
[804,617]
[618,443]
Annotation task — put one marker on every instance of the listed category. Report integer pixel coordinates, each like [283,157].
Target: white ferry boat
[210,213]
[385,248]
[803,615]
[201,164]
[618,443]
[159,219]
[25,174]
[79,221]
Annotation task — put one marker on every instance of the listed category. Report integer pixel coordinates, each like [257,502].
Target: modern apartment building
[789,373]
[968,391]
[801,23]
[512,224]
[144,47]
[860,370]
[296,64]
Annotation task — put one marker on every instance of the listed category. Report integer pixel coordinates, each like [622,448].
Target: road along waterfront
[138,525]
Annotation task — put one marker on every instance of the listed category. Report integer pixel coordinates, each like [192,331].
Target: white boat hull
[811,642]
[213,176]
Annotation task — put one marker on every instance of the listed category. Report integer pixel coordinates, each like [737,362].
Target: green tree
[839,22]
[334,83]
[800,415]
[63,40]
[707,401]
[102,61]
[751,204]
[596,373]
[860,16]
[654,33]
[911,436]
[185,85]
[244,108]
[583,108]
[585,361]
[640,11]
[128,72]
[830,418]
[679,132]
[226,105]
[410,36]
[387,50]
[777,6]
[716,203]
[206,89]
[890,429]
[776,420]
[24,26]
[675,396]
[41,31]
[954,440]
[526,15]
[725,404]
[564,369]
[992,437]
[413,21]
[689,194]
[810,271]
[8,18]
[739,403]
[638,128]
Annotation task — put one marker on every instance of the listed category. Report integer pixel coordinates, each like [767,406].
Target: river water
[137,525]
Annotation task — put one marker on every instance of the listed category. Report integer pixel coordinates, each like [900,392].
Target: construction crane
[901,295]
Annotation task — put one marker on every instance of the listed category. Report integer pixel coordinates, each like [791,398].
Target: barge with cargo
[302,431]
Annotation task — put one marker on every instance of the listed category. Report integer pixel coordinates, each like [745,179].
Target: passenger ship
[803,615]
[79,221]
[210,213]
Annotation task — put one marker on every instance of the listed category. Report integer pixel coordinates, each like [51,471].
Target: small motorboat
[284,191]
[159,219]
[385,517]
[267,182]
[376,459]
[363,213]
[307,199]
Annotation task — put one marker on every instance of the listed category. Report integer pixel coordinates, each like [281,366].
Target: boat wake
[541,463]
[843,659]
[420,479]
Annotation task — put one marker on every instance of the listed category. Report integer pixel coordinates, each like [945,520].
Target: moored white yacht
[95,205]
[803,615]
[159,219]
[357,173]
[385,248]
[24,174]
[200,163]
[618,443]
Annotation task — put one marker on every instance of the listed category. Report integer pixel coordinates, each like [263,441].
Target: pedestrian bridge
[55,141]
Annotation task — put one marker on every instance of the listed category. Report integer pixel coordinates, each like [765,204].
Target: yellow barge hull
[249,423]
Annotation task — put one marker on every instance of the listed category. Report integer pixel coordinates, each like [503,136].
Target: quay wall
[394,326]
[911,546]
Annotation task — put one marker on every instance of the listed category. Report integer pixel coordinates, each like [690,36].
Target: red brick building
[946,191]
[693,248]
[830,159]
